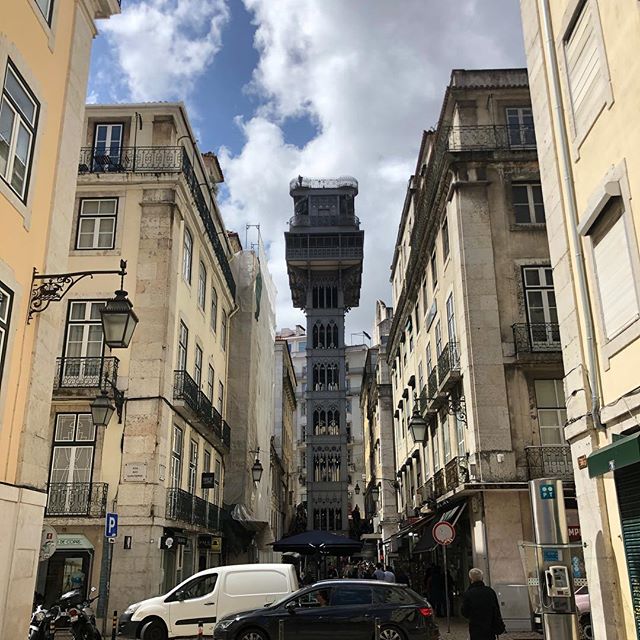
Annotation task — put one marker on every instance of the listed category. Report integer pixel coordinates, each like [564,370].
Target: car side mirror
[291,607]
[180,595]
[93,589]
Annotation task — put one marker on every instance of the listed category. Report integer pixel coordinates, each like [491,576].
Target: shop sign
[208,480]
[551,555]
[547,492]
[48,542]
[575,534]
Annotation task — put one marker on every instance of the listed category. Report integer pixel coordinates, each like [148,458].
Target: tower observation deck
[324,251]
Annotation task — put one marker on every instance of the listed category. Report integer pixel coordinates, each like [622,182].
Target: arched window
[324,297]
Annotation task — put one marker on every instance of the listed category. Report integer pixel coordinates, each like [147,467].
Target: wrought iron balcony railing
[439,483]
[77,499]
[490,137]
[448,362]
[324,221]
[456,472]
[537,337]
[226,433]
[308,253]
[549,461]
[432,383]
[186,389]
[86,373]
[186,507]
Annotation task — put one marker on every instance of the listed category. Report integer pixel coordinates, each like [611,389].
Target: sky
[319,88]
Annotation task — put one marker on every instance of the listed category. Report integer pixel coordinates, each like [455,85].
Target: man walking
[378,574]
[481,608]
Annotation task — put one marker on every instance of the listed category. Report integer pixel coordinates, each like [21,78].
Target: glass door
[520,127]
[84,345]
[542,313]
[107,149]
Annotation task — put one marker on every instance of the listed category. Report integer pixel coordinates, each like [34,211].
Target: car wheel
[391,633]
[153,630]
[586,627]
[251,634]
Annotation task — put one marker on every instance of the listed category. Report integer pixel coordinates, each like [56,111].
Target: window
[206,468]
[216,480]
[302,345]
[436,449]
[183,345]
[438,339]
[197,588]
[210,377]
[585,66]
[445,240]
[193,467]
[97,223]
[542,313]
[434,271]
[451,321]
[313,599]
[528,206]
[6,303]
[393,595]
[83,349]
[176,458]
[71,464]
[45,6]
[351,596]
[446,435]
[303,408]
[425,298]
[429,361]
[223,331]
[520,127]
[202,286]
[420,376]
[552,412]
[614,269]
[197,367]
[18,123]
[187,255]
[220,397]
[214,309]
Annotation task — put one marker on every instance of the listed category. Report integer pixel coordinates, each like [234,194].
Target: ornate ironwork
[186,507]
[77,499]
[308,253]
[86,373]
[432,384]
[549,461]
[226,433]
[537,337]
[186,389]
[439,483]
[48,288]
[490,137]
[130,160]
[456,472]
[324,221]
[448,361]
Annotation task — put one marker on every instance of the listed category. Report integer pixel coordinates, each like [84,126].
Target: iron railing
[537,337]
[549,461]
[307,253]
[427,490]
[86,373]
[226,433]
[186,389]
[77,499]
[448,361]
[186,507]
[324,221]
[424,399]
[490,137]
[439,483]
[432,384]
[456,472]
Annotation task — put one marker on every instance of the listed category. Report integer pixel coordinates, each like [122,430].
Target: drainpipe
[567,178]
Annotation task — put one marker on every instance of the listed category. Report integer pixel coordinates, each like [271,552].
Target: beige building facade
[585,85]
[44,63]
[144,194]
[474,338]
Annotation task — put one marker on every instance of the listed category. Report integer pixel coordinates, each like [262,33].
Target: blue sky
[279,88]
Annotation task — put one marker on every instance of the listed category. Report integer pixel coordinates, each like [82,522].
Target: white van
[207,596]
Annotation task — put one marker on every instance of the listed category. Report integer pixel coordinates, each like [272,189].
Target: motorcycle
[42,624]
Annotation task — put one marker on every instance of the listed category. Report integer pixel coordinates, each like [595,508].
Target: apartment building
[474,339]
[585,82]
[44,64]
[145,194]
[376,406]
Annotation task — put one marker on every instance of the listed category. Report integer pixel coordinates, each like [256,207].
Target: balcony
[185,507]
[312,253]
[77,499]
[549,461]
[456,472]
[427,490]
[537,338]
[85,373]
[324,221]
[490,138]
[226,433]
[449,366]
[439,483]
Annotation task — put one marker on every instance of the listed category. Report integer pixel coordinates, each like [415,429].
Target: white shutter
[584,67]
[615,279]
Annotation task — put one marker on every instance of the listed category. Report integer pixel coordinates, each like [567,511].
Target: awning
[311,542]
[426,542]
[621,453]
[409,528]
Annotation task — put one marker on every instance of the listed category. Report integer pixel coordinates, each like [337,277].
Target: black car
[337,610]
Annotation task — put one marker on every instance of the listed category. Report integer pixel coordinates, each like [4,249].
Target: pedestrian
[389,576]
[481,608]
[401,576]
[437,592]
[378,574]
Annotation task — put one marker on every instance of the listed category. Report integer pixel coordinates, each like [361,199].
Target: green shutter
[628,490]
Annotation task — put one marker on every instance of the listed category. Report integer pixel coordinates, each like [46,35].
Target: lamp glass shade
[256,471]
[101,410]
[418,426]
[375,493]
[118,321]
[357,489]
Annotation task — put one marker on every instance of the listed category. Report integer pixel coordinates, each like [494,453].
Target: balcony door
[84,345]
[107,148]
[542,313]
[520,127]
[71,465]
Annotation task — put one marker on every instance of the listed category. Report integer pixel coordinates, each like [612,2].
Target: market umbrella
[312,542]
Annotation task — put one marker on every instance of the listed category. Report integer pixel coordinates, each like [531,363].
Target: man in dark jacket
[481,608]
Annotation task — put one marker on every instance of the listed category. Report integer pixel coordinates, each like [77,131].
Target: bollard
[114,625]
[52,628]
[376,630]
[200,629]
[280,629]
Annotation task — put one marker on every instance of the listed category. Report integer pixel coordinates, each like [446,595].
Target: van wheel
[153,630]
[251,634]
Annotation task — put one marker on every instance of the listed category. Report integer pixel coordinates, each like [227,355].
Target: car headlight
[132,608]
[225,624]
[39,616]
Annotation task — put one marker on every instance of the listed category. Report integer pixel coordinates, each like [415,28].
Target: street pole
[446,587]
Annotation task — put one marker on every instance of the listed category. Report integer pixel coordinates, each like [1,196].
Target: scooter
[80,614]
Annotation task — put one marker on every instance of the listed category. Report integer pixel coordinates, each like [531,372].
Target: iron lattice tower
[324,251]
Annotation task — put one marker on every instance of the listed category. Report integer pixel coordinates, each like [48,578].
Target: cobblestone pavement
[459,631]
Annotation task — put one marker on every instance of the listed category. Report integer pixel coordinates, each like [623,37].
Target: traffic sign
[111,525]
[443,532]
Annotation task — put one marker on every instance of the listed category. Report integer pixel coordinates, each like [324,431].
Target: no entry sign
[443,532]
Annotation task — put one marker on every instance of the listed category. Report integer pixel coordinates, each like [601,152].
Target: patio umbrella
[312,542]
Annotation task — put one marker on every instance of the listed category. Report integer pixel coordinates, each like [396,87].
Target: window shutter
[584,67]
[615,278]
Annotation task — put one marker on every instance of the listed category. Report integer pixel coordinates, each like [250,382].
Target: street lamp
[417,424]
[119,320]
[101,410]
[256,469]
[357,489]
[375,492]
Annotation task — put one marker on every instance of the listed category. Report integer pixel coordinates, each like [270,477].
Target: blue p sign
[111,525]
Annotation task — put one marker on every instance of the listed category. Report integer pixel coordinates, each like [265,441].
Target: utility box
[514,605]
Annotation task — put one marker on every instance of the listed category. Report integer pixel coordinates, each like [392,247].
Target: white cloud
[164,46]
[371,74]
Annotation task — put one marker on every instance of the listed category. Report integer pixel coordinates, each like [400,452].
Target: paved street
[459,632]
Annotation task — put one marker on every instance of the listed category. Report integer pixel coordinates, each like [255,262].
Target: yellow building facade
[585,88]
[44,62]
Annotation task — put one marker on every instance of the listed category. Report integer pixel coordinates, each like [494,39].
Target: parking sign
[111,525]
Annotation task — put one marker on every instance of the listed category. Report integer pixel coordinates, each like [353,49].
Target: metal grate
[537,337]
[86,373]
[78,499]
[549,461]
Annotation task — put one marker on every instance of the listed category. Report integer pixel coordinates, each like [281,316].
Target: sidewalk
[459,631]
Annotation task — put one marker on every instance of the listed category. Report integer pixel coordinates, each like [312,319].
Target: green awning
[620,453]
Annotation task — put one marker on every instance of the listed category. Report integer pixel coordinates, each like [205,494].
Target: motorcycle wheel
[84,632]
